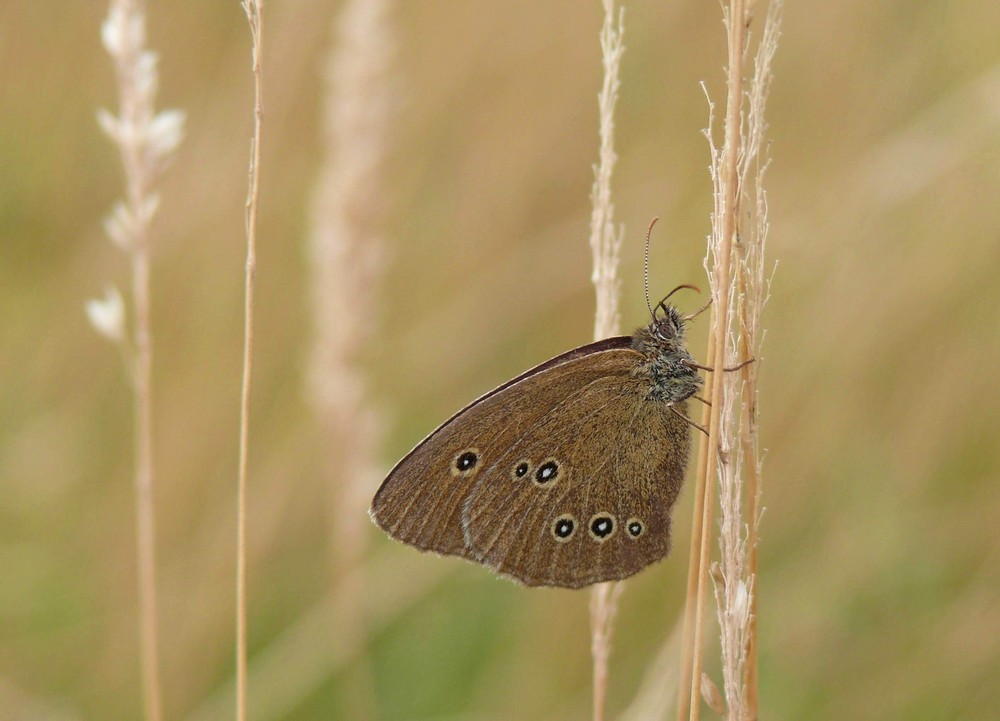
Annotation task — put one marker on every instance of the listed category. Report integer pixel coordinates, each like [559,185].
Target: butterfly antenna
[663,303]
[695,288]
[645,267]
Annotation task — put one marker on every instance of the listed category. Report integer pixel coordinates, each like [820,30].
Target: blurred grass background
[880,589]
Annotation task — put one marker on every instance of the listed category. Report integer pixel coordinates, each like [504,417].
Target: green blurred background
[880,587]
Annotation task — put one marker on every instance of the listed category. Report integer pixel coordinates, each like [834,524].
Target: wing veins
[534,513]
[579,550]
[483,550]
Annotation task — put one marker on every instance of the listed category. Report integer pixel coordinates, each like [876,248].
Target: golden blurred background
[880,565]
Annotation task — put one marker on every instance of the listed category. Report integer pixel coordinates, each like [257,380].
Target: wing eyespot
[635,527]
[465,463]
[564,528]
[602,526]
[549,471]
[521,469]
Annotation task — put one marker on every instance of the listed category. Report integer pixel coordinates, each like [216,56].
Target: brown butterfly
[564,476]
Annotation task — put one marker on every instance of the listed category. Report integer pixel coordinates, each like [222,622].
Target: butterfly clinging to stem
[567,474]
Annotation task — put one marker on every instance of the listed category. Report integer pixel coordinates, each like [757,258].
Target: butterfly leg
[730,369]
[688,420]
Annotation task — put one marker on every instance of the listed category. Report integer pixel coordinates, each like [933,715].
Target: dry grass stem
[734,263]
[603,606]
[694,566]
[346,247]
[254,11]
[605,244]
[145,140]
[753,293]
[724,167]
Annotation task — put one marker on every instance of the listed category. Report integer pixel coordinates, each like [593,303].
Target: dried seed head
[710,692]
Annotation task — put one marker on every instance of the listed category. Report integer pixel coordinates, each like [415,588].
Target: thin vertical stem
[253,10]
[752,297]
[142,371]
[605,244]
[729,182]
[738,292]
[749,449]
[144,140]
[145,521]
[603,605]
[694,562]
[751,300]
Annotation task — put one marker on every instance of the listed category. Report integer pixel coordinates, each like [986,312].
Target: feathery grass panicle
[254,10]
[346,246]
[753,293]
[605,241]
[145,141]
[605,244]
[734,262]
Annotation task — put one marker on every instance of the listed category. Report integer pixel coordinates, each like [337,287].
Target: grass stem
[724,227]
[145,140]
[254,12]
[605,244]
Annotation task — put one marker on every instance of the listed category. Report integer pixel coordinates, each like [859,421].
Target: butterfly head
[668,324]
[668,362]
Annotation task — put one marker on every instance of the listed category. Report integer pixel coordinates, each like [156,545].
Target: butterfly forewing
[421,500]
[594,504]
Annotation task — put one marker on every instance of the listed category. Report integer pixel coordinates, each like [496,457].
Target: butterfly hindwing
[421,500]
[593,501]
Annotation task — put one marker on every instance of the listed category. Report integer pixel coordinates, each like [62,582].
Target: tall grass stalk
[605,243]
[734,263]
[753,294]
[694,565]
[254,10]
[145,142]
[346,250]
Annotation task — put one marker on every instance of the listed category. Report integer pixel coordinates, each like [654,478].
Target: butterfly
[564,476]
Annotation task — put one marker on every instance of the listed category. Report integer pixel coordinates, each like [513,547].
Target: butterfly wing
[604,467]
[420,501]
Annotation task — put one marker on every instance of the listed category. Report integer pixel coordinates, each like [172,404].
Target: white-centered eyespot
[602,526]
[521,469]
[465,463]
[564,527]
[548,472]
[635,527]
